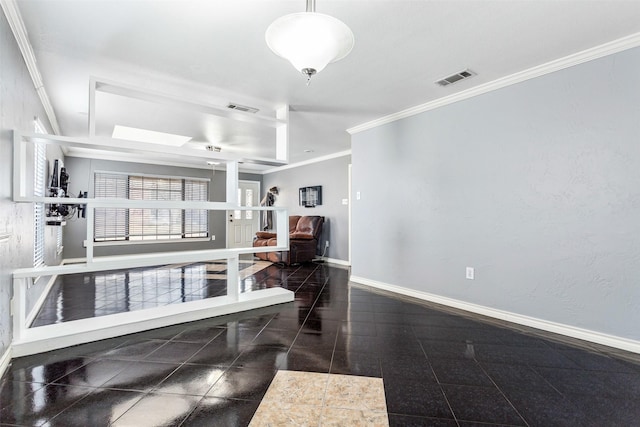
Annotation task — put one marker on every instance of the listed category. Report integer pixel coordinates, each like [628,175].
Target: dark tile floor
[439,368]
[81,296]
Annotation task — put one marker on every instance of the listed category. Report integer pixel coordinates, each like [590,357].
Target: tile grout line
[501,392]
[446,399]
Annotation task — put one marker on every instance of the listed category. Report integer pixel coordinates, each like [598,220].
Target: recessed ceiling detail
[144,135]
[454,78]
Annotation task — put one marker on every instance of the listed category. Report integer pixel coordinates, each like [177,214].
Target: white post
[19,167]
[232,182]
[92,107]
[89,239]
[282,228]
[233,276]
[282,134]
[19,307]
[233,266]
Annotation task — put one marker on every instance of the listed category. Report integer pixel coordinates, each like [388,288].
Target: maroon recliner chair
[304,232]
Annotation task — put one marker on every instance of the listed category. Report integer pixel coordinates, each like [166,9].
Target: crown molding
[308,162]
[11,11]
[587,55]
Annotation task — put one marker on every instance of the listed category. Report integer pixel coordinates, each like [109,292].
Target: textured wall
[81,173]
[333,175]
[19,104]
[536,185]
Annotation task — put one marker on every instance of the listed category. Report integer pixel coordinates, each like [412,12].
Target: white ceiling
[213,51]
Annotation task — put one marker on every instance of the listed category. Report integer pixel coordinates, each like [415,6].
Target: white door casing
[243,225]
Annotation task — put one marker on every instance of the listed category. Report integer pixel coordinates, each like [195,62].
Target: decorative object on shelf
[310,197]
[309,40]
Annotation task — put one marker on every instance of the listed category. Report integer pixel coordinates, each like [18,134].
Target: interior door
[243,225]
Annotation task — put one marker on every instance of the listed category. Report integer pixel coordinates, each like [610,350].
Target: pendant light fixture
[309,40]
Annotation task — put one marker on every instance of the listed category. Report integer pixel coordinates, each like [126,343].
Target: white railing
[29,340]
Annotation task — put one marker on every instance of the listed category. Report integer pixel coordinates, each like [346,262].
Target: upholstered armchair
[304,232]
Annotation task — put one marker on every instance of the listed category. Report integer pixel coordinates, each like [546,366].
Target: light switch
[345,201]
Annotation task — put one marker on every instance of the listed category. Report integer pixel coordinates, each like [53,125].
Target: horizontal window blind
[150,224]
[40,160]
[196,221]
[110,223]
[155,224]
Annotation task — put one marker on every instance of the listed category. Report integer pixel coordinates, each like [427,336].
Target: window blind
[196,221]
[110,223]
[39,160]
[150,224]
[155,224]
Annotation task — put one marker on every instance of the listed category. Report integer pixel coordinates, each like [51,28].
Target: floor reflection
[438,366]
[81,296]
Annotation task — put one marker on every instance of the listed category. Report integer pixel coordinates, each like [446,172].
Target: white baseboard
[557,328]
[336,261]
[5,359]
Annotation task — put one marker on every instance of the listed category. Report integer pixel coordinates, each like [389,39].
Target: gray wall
[536,185]
[333,175]
[81,172]
[19,104]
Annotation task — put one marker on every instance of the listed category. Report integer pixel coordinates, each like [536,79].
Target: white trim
[307,162]
[59,335]
[41,300]
[148,175]
[161,153]
[148,259]
[122,157]
[336,261]
[100,84]
[12,12]
[5,359]
[147,242]
[349,212]
[545,325]
[596,52]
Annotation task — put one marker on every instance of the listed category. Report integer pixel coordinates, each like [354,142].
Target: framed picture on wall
[310,197]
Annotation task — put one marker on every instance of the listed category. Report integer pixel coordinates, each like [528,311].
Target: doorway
[243,225]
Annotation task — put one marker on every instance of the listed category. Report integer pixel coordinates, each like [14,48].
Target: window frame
[144,217]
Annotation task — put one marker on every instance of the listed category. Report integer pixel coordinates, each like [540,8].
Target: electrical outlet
[213,237]
[326,244]
[470,273]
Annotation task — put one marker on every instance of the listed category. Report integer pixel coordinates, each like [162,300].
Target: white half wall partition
[30,340]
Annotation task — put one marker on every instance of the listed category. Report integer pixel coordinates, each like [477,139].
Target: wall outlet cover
[470,273]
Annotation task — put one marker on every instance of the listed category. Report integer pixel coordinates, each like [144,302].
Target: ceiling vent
[456,77]
[244,108]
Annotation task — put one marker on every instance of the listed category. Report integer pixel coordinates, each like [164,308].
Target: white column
[282,228]
[19,306]
[92,107]
[232,182]
[282,134]
[233,282]
[19,167]
[89,212]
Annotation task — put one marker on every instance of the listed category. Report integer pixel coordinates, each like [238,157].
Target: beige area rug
[314,399]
